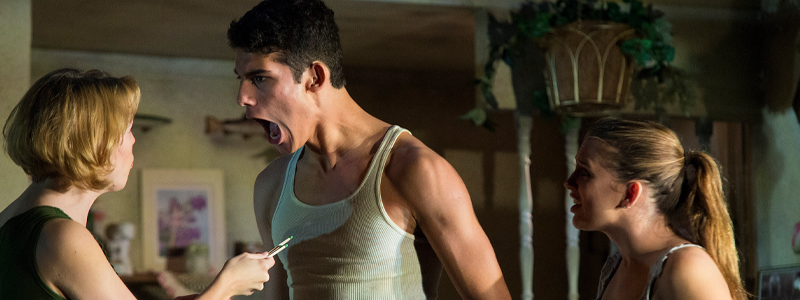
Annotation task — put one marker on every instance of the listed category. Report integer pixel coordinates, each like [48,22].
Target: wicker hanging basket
[585,70]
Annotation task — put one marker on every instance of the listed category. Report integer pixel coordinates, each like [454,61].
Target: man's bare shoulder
[411,158]
[270,180]
[421,174]
[267,189]
[275,171]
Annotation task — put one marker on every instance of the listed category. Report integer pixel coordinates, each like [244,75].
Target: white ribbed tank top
[351,249]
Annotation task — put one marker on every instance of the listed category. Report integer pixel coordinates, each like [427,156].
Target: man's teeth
[274,131]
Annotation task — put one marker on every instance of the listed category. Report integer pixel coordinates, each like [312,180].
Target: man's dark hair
[300,31]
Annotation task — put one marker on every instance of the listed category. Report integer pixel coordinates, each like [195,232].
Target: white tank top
[351,249]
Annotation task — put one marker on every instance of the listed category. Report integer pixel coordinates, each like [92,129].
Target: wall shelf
[145,122]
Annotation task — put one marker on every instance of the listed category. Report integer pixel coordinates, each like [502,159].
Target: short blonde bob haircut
[68,125]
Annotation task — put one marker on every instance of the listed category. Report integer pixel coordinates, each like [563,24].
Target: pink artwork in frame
[182,207]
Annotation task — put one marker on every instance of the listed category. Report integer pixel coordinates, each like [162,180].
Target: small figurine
[119,237]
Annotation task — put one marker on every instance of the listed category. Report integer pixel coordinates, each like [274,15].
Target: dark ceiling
[374,34]
[385,34]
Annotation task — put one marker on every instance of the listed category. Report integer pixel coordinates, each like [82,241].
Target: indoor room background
[414,63]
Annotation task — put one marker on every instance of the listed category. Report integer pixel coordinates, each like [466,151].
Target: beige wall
[15,59]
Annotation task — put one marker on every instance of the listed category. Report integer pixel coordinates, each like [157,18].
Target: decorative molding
[673,11]
[676,12]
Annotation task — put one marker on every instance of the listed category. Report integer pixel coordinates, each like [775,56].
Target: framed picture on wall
[779,283]
[183,215]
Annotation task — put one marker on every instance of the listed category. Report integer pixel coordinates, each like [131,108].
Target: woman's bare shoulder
[71,262]
[691,273]
[61,239]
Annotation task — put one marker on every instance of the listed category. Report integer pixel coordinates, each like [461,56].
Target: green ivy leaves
[536,27]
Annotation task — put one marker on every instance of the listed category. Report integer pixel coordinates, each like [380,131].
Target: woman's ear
[633,192]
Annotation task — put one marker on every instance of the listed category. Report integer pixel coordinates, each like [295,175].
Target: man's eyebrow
[253,72]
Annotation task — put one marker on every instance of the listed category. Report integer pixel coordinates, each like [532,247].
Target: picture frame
[181,209]
[781,283]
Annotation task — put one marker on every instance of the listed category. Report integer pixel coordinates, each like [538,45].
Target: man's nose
[245,98]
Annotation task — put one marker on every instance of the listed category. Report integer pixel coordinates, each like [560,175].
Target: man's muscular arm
[266,194]
[439,203]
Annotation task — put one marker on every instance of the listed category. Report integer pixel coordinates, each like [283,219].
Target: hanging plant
[650,48]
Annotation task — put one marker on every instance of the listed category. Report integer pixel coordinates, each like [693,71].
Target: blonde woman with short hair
[71,133]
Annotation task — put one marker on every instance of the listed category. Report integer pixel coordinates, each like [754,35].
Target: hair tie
[689,169]
[686,158]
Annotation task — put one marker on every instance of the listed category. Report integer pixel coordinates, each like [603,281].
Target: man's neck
[344,131]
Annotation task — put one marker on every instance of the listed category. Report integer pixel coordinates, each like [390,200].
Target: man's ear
[633,192]
[318,75]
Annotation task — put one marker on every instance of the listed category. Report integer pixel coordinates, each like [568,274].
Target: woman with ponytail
[662,206]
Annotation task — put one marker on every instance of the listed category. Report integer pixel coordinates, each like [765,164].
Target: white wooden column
[573,241]
[524,124]
[504,93]
[776,142]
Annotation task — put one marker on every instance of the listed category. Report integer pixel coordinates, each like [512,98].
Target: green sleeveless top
[19,276]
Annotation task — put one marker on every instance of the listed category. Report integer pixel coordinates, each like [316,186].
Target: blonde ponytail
[707,213]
